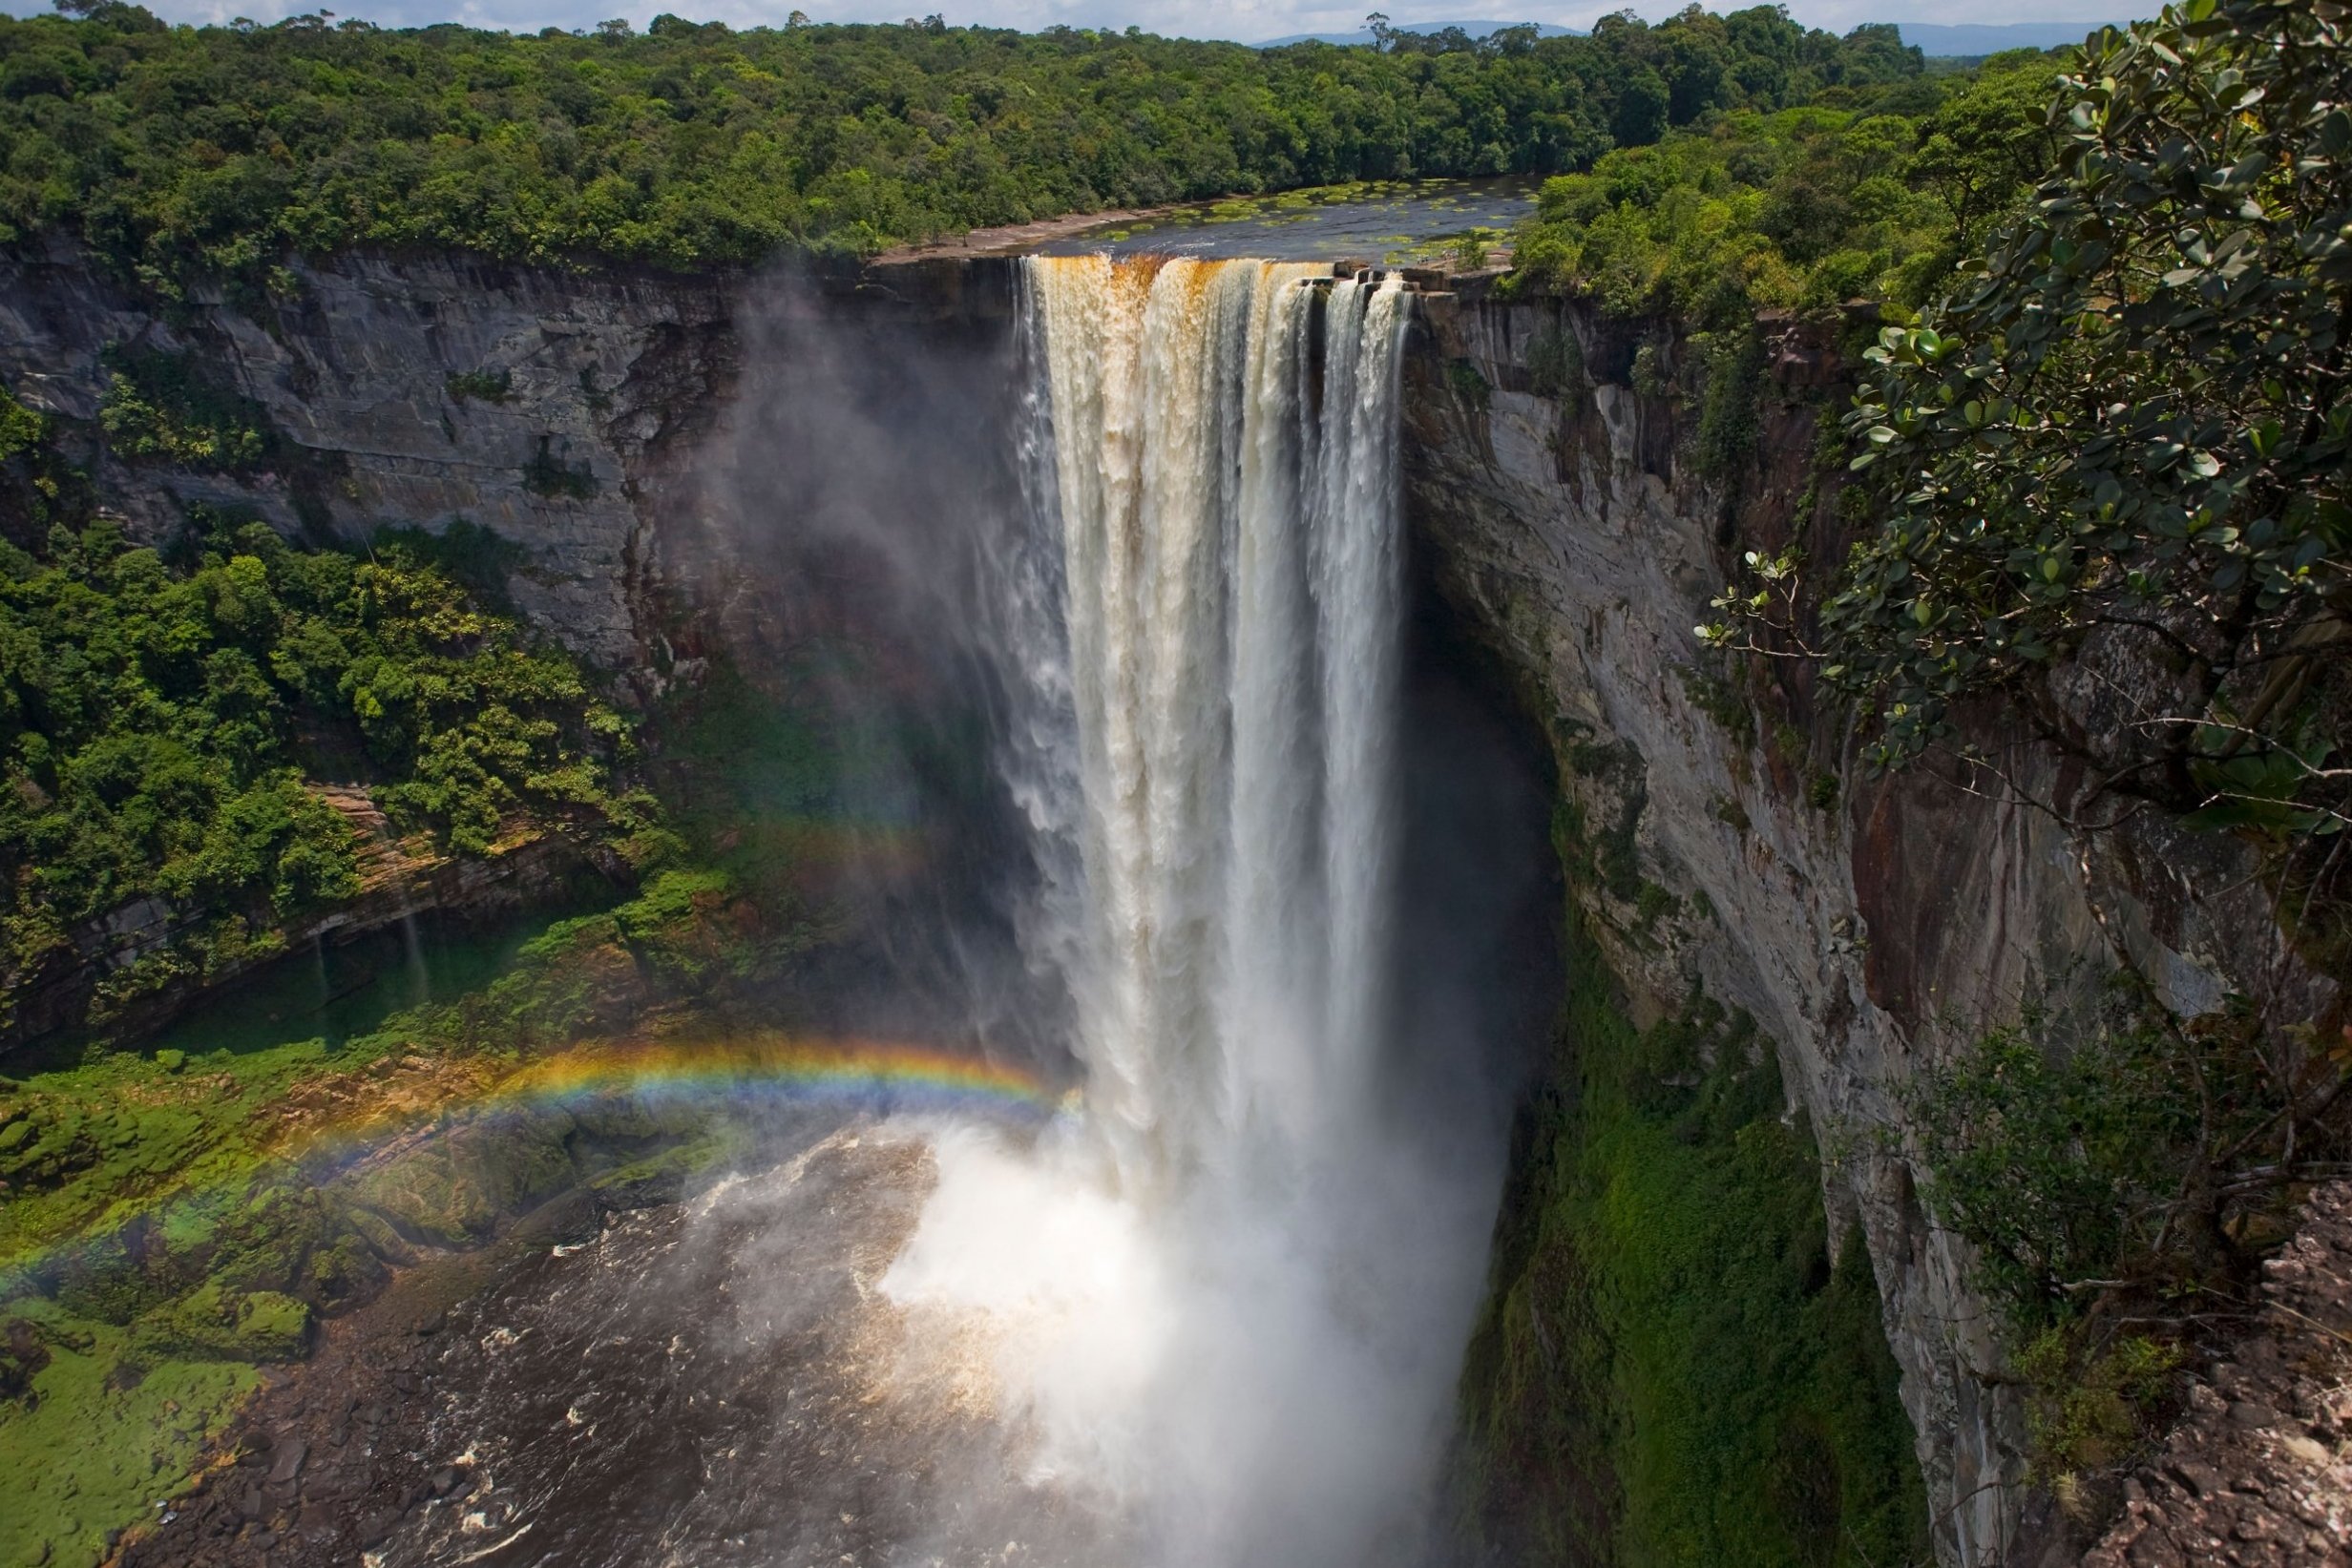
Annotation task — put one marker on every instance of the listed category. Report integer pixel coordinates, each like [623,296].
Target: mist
[1224,835]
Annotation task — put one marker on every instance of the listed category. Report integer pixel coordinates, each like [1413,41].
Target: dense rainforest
[1851,195]
[2091,491]
[179,151]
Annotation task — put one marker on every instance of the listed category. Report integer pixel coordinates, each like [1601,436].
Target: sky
[1246,20]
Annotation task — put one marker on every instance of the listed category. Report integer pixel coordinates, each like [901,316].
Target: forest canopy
[178,152]
[1853,195]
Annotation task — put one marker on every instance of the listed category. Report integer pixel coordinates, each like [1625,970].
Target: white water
[1226,1300]
[1231,604]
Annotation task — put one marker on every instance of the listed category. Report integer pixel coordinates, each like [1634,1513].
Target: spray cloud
[1228,1302]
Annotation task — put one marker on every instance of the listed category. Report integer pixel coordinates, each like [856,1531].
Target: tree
[2113,467]
[1985,147]
[1642,103]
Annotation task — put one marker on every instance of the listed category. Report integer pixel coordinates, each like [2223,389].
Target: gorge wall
[1869,926]
[600,379]
[1719,844]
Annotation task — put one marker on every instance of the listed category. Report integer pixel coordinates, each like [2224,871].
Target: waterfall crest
[1223,487]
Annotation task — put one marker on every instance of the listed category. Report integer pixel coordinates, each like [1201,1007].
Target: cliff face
[1867,926]
[602,423]
[648,444]
[553,410]
[661,502]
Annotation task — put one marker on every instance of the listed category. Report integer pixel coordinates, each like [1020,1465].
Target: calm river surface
[1393,221]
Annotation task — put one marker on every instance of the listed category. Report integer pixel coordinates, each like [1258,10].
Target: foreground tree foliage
[179,151]
[2111,469]
[2124,441]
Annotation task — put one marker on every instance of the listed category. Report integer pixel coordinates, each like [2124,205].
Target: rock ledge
[2259,1468]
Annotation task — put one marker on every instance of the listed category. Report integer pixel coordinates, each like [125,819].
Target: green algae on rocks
[169,1226]
[1676,1362]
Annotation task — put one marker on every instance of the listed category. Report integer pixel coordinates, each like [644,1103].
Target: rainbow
[875,1076]
[872,1077]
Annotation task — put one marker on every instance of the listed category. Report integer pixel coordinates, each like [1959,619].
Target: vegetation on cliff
[184,152]
[167,719]
[1677,1361]
[2101,492]
[2127,441]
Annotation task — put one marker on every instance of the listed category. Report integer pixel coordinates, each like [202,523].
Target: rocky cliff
[648,495]
[555,409]
[1570,496]
[1573,497]
[599,422]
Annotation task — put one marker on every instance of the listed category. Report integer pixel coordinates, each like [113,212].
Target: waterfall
[1227,1300]
[1223,485]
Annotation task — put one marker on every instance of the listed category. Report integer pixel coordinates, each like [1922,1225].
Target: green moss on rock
[89,1449]
[1674,1364]
[213,1323]
[160,1239]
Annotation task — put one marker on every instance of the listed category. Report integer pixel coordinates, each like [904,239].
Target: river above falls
[1397,222]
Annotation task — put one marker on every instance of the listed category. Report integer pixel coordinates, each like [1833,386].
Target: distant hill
[1985,38]
[1475,29]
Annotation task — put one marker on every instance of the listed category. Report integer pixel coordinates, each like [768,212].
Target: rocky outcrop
[579,415]
[399,881]
[2259,1470]
[1583,525]
[557,409]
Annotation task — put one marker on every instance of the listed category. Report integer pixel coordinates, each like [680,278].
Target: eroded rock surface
[718,1381]
[2259,1471]
[1559,494]
[413,391]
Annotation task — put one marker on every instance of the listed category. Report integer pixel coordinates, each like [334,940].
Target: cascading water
[1231,1308]
[1227,521]
[1209,1311]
